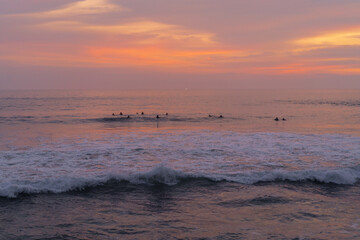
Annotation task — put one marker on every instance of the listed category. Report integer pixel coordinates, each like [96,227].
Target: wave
[17,118]
[171,177]
[35,119]
[161,118]
[123,119]
[353,103]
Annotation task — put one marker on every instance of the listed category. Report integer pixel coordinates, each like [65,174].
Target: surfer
[276,119]
[284,119]
[128,117]
[113,114]
[210,115]
[157,116]
[221,116]
[142,113]
[120,114]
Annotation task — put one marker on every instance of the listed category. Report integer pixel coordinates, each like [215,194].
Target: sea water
[70,169]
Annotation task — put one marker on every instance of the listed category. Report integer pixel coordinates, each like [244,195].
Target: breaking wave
[162,174]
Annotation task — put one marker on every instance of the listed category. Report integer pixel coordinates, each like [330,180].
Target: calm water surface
[72,170]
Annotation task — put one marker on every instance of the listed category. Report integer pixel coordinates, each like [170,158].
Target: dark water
[71,170]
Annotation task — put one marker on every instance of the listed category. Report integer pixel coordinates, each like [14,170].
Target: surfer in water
[276,119]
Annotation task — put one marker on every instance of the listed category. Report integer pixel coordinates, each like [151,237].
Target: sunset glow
[183,38]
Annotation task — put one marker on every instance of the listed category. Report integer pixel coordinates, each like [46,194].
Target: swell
[167,176]
[120,119]
[351,103]
[153,118]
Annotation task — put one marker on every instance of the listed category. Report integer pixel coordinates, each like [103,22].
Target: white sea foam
[217,156]
[164,175]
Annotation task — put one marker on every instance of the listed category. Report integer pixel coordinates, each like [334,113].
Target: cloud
[338,38]
[83,7]
[63,37]
[332,52]
[150,31]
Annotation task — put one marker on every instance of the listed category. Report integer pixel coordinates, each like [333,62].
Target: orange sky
[142,44]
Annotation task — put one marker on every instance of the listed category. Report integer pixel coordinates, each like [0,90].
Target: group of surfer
[142,113]
[157,116]
[210,116]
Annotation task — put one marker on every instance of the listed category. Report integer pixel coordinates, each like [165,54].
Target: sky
[176,44]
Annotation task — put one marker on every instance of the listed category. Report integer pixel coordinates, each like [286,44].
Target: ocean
[72,167]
